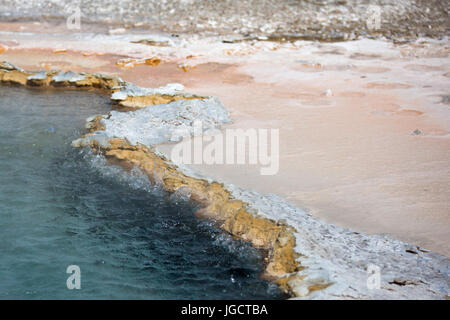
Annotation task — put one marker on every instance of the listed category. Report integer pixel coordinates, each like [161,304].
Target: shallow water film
[61,206]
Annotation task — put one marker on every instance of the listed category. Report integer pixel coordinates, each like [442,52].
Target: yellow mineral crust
[216,201]
[137,102]
[10,74]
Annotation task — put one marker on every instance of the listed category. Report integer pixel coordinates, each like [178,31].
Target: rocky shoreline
[306,257]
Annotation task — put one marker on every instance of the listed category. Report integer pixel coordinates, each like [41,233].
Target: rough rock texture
[320,19]
[10,74]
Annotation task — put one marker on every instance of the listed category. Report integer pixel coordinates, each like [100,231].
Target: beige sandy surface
[349,157]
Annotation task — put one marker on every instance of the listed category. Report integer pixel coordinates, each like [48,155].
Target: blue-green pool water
[61,206]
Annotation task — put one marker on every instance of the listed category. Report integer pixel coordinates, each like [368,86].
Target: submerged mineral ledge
[306,257]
